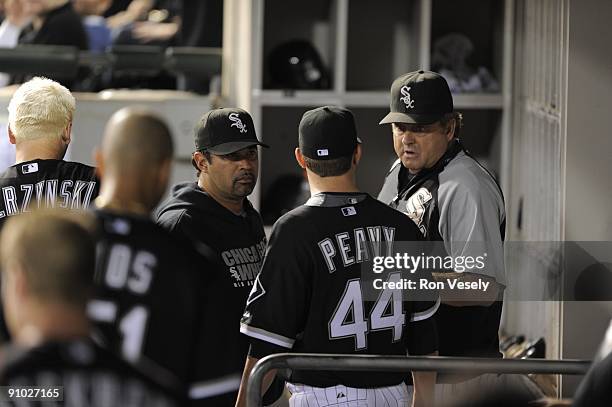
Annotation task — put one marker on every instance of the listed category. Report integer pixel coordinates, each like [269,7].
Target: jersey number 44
[349,319]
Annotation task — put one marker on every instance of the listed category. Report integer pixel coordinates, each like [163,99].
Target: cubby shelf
[366,99]
[364,45]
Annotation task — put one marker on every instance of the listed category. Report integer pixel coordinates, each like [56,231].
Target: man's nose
[247,163]
[407,137]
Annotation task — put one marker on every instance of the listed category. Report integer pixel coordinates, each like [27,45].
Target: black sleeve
[277,306]
[260,349]
[423,300]
[422,303]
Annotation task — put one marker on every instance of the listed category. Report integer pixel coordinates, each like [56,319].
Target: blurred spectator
[146,22]
[115,7]
[15,19]
[135,10]
[98,32]
[54,22]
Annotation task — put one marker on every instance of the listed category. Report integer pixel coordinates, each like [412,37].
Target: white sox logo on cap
[237,122]
[407,99]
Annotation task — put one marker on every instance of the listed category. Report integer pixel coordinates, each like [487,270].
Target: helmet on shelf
[297,65]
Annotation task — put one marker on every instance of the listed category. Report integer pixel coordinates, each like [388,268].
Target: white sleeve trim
[215,387]
[266,336]
[423,315]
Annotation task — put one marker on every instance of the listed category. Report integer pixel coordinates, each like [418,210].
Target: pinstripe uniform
[311,297]
[390,396]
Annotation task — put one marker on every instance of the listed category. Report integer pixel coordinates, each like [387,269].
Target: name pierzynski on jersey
[357,246]
[244,262]
[47,193]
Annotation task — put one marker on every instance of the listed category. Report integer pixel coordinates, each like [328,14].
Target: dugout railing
[370,363]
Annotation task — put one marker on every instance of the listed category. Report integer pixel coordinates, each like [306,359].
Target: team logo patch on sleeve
[417,205]
[256,292]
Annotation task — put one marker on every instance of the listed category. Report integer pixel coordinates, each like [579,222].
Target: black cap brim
[232,147]
[398,117]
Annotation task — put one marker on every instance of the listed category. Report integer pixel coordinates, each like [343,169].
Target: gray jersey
[458,202]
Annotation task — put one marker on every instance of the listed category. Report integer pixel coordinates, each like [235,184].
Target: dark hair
[457,117]
[329,168]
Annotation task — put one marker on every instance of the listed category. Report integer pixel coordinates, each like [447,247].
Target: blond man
[40,124]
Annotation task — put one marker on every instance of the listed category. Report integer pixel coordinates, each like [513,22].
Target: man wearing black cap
[215,214]
[451,198]
[311,295]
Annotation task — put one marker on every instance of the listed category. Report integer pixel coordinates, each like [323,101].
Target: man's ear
[451,130]
[357,154]
[200,161]
[11,136]
[299,158]
[66,137]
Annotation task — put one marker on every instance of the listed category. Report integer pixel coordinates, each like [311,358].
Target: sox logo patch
[417,205]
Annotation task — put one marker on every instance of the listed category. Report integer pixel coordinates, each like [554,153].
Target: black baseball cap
[419,97]
[225,131]
[328,132]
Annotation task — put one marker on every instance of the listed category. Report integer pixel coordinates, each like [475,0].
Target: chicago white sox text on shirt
[244,263]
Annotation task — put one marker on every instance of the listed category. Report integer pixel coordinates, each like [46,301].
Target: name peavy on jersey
[46,184]
[357,246]
[312,294]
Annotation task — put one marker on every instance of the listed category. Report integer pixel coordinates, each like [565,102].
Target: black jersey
[84,375]
[46,183]
[309,294]
[149,294]
[236,244]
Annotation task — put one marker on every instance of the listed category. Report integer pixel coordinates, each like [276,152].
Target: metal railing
[369,363]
